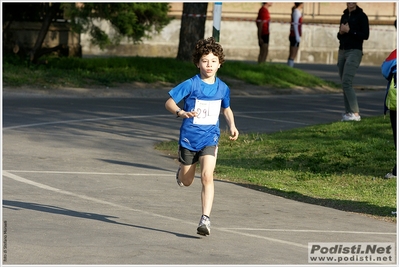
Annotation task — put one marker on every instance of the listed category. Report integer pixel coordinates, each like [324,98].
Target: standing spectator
[263,24]
[295,32]
[205,97]
[353,30]
[388,70]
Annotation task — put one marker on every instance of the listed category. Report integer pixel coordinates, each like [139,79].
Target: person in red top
[263,24]
[295,32]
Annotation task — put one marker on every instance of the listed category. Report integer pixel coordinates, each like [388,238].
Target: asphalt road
[82,184]
[366,76]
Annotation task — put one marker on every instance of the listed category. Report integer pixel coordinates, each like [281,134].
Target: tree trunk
[51,11]
[192,28]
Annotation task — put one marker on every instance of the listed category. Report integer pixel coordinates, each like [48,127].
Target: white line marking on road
[238,114]
[95,173]
[311,231]
[266,119]
[277,112]
[229,230]
[53,189]
[49,188]
[81,120]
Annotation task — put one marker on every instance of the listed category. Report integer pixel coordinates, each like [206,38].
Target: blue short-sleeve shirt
[194,136]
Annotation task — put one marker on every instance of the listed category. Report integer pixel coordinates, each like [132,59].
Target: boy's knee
[206,178]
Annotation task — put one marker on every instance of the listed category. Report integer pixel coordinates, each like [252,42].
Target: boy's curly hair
[206,46]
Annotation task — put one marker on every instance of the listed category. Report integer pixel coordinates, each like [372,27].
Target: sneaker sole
[350,120]
[179,183]
[203,230]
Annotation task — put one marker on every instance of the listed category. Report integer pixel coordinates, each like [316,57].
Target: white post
[217,18]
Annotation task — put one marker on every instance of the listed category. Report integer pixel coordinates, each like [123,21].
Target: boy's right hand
[187,114]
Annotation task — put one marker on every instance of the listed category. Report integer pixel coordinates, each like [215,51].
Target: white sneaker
[204,226]
[389,175]
[350,117]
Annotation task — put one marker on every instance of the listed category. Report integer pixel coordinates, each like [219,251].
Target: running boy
[205,97]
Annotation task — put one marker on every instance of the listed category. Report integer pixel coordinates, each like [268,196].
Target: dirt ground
[138,89]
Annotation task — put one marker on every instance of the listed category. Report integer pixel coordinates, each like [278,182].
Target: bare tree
[192,28]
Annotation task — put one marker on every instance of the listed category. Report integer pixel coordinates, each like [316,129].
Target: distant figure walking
[295,32]
[263,24]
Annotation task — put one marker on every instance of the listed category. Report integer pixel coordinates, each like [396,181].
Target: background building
[238,33]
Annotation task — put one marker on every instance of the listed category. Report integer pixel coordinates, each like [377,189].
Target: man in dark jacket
[353,30]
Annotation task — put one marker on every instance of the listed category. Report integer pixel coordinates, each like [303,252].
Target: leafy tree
[192,28]
[132,20]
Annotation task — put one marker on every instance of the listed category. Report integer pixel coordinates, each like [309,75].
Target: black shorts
[188,157]
[265,38]
[293,41]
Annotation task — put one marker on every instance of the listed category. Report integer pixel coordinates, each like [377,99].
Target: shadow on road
[17,205]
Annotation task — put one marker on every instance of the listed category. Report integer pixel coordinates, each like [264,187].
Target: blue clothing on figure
[206,99]
[388,70]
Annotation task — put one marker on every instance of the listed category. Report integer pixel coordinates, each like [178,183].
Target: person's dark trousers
[348,63]
[392,116]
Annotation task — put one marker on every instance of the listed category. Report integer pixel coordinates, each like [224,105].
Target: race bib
[207,112]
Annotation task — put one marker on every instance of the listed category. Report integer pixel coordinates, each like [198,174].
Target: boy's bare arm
[229,116]
[172,107]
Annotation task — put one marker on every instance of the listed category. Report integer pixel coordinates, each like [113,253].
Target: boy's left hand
[234,134]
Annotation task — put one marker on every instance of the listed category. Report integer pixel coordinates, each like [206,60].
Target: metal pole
[217,17]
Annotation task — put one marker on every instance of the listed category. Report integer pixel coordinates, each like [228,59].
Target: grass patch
[338,165]
[272,74]
[112,71]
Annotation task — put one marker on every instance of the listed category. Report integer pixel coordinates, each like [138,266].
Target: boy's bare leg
[208,164]
[187,174]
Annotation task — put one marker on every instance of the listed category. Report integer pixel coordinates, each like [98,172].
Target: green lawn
[113,71]
[338,165]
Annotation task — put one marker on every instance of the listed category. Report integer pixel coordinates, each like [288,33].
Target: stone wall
[319,43]
[238,33]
